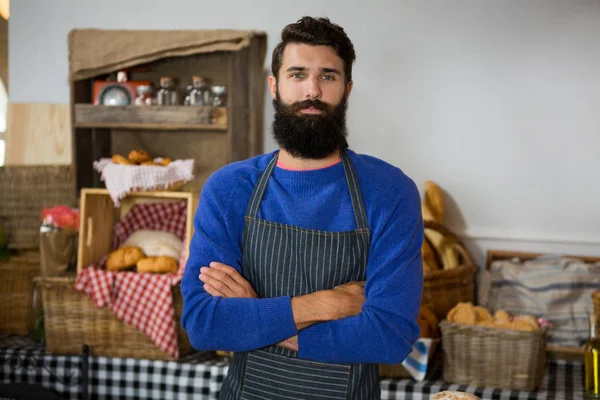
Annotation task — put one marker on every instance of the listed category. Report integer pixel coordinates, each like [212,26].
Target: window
[4,14]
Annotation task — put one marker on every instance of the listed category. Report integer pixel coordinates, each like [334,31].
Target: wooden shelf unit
[212,136]
[151,117]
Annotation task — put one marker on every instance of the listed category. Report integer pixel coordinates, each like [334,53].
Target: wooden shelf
[151,117]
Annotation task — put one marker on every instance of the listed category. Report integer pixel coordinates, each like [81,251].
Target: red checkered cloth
[141,299]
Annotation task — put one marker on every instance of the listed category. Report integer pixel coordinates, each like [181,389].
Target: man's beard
[313,136]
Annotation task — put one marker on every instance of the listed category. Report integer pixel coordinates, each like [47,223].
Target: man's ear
[272,85]
[349,86]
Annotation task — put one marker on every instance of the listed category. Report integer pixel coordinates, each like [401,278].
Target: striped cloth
[416,362]
[557,288]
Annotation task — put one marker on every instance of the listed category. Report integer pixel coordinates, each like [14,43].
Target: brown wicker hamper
[16,293]
[71,320]
[444,289]
[493,357]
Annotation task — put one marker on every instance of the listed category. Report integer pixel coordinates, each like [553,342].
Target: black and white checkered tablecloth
[199,376]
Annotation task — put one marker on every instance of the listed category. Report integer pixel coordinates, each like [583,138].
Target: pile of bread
[140,157]
[467,313]
[147,251]
[438,250]
[453,395]
[428,323]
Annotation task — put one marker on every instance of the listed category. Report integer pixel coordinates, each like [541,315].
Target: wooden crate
[98,215]
[71,317]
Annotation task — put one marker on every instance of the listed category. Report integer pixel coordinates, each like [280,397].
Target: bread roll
[428,323]
[119,159]
[434,198]
[462,313]
[453,395]
[157,265]
[156,243]
[123,258]
[139,156]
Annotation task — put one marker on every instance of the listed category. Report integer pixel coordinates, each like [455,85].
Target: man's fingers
[212,291]
[215,281]
[230,271]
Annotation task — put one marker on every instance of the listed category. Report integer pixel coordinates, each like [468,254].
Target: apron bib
[286,260]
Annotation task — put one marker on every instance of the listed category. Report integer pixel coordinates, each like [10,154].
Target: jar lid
[198,80]
[143,89]
[166,80]
[219,89]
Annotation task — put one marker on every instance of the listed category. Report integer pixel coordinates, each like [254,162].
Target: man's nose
[313,88]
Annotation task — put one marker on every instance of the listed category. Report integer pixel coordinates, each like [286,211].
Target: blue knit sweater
[319,199]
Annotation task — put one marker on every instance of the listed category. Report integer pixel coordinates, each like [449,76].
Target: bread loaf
[157,265]
[443,245]
[123,258]
[434,199]
[119,159]
[139,156]
[453,395]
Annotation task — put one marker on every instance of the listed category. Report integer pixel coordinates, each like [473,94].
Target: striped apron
[285,260]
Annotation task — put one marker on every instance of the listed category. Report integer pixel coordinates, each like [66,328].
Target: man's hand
[328,305]
[225,281]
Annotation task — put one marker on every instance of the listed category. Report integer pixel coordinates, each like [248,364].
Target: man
[306,262]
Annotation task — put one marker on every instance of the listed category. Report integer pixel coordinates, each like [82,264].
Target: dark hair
[316,32]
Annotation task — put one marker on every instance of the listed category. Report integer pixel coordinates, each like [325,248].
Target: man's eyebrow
[331,70]
[325,70]
[294,68]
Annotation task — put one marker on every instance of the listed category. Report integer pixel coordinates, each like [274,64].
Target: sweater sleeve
[230,324]
[386,329]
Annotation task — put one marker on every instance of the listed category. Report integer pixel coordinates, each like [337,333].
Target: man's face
[310,72]
[310,97]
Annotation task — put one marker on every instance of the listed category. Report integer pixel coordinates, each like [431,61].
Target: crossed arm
[324,305]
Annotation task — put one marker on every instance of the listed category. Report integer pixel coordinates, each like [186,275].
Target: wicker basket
[16,293]
[24,192]
[444,289]
[72,320]
[493,357]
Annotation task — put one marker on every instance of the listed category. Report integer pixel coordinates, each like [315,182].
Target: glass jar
[167,95]
[187,101]
[144,95]
[592,362]
[200,94]
[219,96]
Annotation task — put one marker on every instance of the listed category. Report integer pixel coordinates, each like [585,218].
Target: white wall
[497,101]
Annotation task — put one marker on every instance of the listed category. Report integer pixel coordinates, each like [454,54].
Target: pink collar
[288,168]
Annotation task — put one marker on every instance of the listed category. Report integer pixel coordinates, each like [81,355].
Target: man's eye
[328,77]
[298,75]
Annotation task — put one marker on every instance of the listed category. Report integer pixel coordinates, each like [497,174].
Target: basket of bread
[448,269]
[142,172]
[499,350]
[125,300]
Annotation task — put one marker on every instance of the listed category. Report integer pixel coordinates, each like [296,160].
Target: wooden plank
[150,117]
[256,102]
[238,101]
[38,134]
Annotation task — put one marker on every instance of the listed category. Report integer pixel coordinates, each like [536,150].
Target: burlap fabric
[94,52]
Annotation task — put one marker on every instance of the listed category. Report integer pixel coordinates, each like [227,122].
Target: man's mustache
[317,104]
